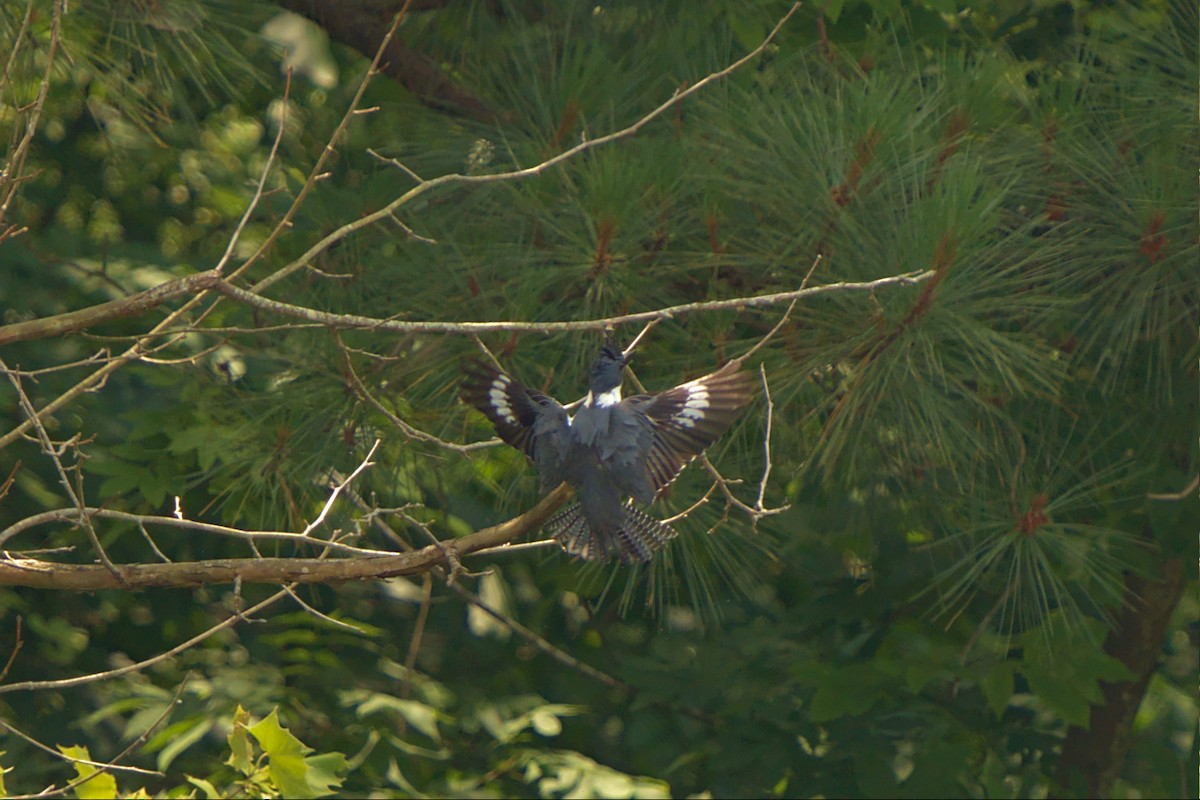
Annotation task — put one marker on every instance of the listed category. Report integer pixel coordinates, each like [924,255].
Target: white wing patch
[694,407]
[498,397]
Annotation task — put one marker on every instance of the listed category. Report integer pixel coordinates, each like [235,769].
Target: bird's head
[605,374]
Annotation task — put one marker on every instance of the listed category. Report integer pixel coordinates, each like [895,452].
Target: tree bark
[1091,758]
[362,27]
[35,573]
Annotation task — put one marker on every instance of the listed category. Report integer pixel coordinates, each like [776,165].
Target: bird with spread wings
[616,453]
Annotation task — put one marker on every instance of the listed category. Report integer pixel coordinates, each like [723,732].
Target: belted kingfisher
[611,449]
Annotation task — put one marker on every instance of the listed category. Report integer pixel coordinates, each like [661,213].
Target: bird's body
[611,449]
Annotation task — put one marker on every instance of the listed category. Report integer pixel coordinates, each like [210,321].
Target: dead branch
[358,25]
[13,173]
[474,328]
[133,306]
[36,573]
[387,212]
[97,378]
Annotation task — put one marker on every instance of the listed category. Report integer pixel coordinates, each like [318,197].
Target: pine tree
[942,554]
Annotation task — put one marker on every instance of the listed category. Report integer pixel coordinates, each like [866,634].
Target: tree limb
[140,303]
[362,26]
[473,328]
[38,574]
[1092,757]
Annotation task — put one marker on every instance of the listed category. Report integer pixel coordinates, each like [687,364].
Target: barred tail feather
[638,538]
[641,535]
[570,530]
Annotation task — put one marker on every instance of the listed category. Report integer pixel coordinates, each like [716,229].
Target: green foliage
[94,784]
[967,462]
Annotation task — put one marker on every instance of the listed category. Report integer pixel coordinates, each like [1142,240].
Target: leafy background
[969,551]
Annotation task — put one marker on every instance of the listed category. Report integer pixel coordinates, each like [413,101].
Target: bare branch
[72,759]
[71,515]
[337,489]
[12,174]
[94,677]
[1182,494]
[97,378]
[762,485]
[474,328]
[132,306]
[388,210]
[51,452]
[411,432]
[18,571]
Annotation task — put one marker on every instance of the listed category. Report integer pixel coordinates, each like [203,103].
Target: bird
[617,453]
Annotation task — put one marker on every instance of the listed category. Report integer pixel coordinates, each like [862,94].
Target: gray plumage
[612,449]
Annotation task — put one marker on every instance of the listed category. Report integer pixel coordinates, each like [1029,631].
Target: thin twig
[81,680]
[146,535]
[408,430]
[762,484]
[72,759]
[70,515]
[629,348]
[113,765]
[262,181]
[786,314]
[451,179]
[558,654]
[73,492]
[351,321]
[18,643]
[337,623]
[414,643]
[1182,494]
[337,490]
[687,511]
[12,175]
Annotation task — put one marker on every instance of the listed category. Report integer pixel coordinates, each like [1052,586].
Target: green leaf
[1070,683]
[997,686]
[832,9]
[286,755]
[1059,689]
[209,790]
[325,771]
[848,691]
[241,755]
[422,717]
[100,787]
[187,735]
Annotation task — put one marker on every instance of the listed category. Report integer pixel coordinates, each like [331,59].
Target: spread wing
[530,421]
[677,425]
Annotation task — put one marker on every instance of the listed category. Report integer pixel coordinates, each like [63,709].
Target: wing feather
[530,421]
[685,420]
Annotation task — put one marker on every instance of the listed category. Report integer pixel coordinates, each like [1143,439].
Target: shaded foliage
[966,461]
